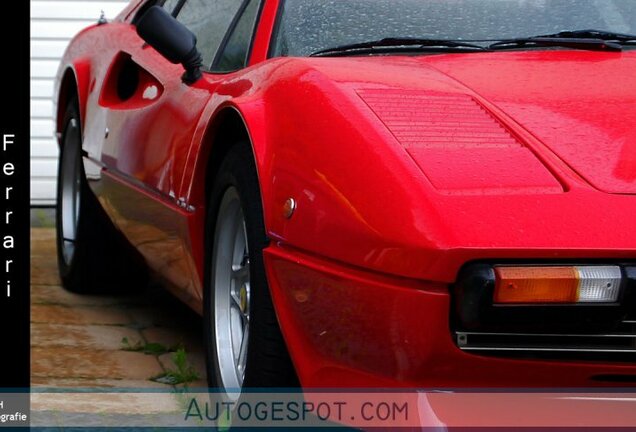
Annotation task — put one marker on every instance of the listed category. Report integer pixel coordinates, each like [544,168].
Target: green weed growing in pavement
[43,219]
[150,348]
[184,372]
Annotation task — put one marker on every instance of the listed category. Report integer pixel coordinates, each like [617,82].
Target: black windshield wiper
[597,40]
[594,34]
[398,44]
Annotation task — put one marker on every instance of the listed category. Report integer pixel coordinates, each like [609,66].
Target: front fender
[358,196]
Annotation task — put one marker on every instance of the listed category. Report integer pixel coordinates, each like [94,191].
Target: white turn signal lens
[599,284]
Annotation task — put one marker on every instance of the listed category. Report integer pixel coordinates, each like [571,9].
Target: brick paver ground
[77,341]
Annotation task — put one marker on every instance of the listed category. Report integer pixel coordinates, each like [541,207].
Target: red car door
[152,114]
[145,130]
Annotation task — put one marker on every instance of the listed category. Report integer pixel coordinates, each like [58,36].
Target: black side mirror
[172,40]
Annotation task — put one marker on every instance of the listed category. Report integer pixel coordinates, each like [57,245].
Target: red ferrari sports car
[387,193]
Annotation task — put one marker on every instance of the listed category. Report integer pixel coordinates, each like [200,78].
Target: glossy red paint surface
[567,102]
[404,170]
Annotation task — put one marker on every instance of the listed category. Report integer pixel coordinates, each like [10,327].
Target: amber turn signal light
[564,284]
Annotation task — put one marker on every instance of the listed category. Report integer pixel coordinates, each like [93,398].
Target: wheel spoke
[236,301]
[77,197]
[241,274]
[237,304]
[246,254]
[242,357]
[74,205]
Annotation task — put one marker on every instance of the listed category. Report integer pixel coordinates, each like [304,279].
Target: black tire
[101,260]
[268,362]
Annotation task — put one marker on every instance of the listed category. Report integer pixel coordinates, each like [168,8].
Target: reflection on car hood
[581,105]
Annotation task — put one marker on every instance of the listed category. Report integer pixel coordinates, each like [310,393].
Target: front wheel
[244,345]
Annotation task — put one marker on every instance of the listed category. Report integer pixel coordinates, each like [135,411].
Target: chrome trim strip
[620,350]
[625,335]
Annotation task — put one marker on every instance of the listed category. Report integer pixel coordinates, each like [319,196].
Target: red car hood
[581,105]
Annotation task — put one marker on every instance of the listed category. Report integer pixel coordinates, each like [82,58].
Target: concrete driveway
[107,341]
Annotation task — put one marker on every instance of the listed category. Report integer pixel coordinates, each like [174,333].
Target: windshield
[307,26]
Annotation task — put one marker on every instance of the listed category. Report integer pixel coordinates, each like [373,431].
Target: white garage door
[53,24]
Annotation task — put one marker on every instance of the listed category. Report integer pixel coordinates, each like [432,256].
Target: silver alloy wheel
[71,183]
[231,278]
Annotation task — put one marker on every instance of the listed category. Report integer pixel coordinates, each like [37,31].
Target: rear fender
[75,82]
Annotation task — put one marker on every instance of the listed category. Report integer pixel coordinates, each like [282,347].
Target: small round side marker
[289,208]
